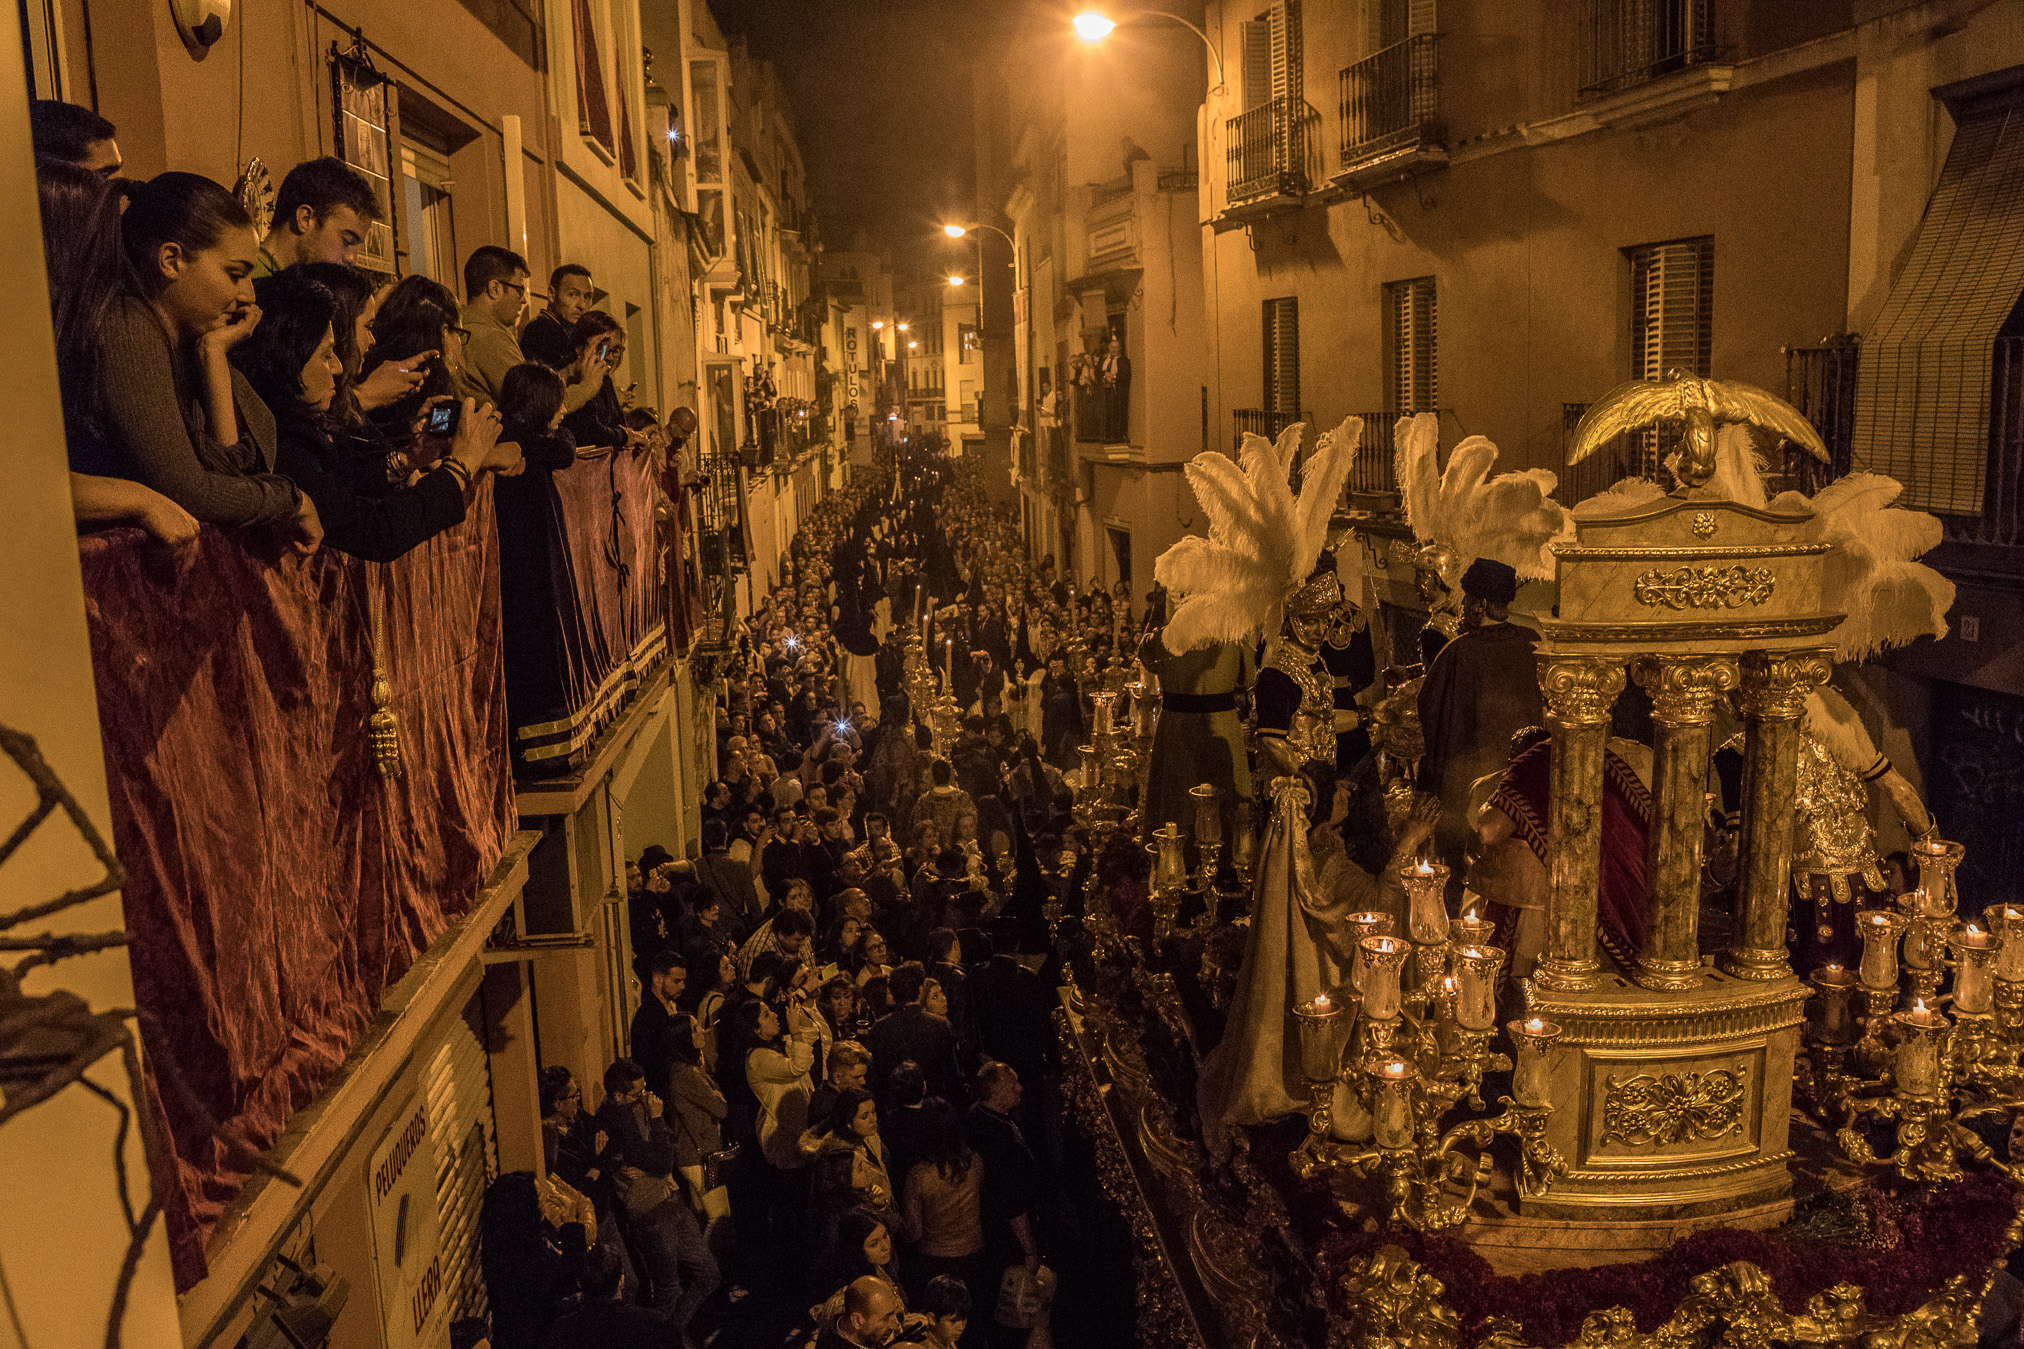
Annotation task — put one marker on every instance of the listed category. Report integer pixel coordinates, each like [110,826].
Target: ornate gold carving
[1704,524]
[1645,1027]
[1704,587]
[1663,552]
[1581,690]
[1673,1108]
[1775,684]
[1748,630]
[1684,689]
[1394,1301]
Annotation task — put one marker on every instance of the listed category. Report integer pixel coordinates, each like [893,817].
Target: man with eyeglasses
[495,296]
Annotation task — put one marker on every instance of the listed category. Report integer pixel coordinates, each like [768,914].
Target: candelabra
[1408,1059]
[1208,840]
[1942,1060]
[1169,878]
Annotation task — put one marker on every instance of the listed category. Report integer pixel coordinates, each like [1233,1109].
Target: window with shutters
[1410,377]
[1672,307]
[1632,41]
[1266,143]
[1390,99]
[1282,355]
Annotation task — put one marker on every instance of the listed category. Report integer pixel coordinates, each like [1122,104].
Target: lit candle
[1529,1086]
[2007,924]
[1382,959]
[1363,925]
[1208,813]
[1427,911]
[1879,929]
[1391,1103]
[1475,979]
[1836,1026]
[1320,1037]
[1974,954]
[1918,1054]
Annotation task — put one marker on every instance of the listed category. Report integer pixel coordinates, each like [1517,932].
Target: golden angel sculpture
[1705,405]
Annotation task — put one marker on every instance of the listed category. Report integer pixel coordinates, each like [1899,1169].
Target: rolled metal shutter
[458,1083]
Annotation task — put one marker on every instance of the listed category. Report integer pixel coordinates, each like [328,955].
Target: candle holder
[1391,1092]
[1245,857]
[1938,859]
[1469,930]
[1830,1031]
[1532,1039]
[1169,878]
[1383,959]
[1426,885]
[1361,925]
[1208,835]
[1323,1035]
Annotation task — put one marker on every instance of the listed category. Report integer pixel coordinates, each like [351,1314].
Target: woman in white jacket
[777,1068]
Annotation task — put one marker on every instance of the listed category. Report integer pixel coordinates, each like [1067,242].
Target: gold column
[1579,693]
[1775,685]
[1683,691]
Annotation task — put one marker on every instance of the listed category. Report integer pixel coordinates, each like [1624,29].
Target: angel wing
[1731,400]
[1627,407]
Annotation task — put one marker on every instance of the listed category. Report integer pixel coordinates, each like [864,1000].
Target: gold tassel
[382,728]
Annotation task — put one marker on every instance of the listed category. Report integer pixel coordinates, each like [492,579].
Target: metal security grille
[1412,381]
[1282,355]
[1923,388]
[458,1083]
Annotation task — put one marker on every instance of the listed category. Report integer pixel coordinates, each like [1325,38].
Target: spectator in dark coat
[674,1261]
[606,1320]
[910,1031]
[1013,1176]
[649,1041]
[730,881]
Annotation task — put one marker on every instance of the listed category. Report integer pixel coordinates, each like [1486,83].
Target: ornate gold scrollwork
[1704,587]
[1672,1108]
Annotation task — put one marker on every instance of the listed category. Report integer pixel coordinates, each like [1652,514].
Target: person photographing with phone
[599,421]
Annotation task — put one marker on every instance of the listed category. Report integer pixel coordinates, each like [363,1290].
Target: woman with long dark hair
[416,327]
[81,253]
[600,345]
[144,332]
[695,1112]
[292,363]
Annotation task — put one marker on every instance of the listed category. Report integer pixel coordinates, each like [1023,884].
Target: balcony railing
[1268,151]
[1820,382]
[2002,518]
[1632,41]
[1374,471]
[1391,101]
[1267,422]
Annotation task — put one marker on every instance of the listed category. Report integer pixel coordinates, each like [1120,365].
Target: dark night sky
[882,101]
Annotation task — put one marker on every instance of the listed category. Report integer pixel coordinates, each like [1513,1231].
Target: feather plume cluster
[1262,541]
[1874,575]
[1510,518]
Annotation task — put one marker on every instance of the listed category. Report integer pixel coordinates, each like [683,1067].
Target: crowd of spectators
[832,1096]
[277,389]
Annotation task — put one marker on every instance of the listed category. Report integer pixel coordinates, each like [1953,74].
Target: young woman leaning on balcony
[291,361]
[146,363]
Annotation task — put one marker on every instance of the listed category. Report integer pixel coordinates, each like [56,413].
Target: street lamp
[956,280]
[877,324]
[1092,26]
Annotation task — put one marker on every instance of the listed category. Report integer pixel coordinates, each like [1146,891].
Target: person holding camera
[600,422]
[291,361]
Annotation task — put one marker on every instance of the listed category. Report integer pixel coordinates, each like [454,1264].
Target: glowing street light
[956,280]
[1091,26]
[912,345]
[903,325]
[877,324]
[955,231]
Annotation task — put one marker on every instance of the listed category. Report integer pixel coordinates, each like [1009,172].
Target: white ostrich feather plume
[1874,575]
[1262,540]
[1510,518]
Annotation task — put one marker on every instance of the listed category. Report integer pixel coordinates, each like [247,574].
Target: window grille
[1672,310]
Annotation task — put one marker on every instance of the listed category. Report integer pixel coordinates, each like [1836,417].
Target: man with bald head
[870,1317]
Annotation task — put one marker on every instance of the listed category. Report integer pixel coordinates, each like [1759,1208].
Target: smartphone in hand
[443,418]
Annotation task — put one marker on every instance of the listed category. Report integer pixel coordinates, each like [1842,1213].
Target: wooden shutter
[1282,59]
[1282,355]
[1672,307]
[1411,378]
[1923,382]
[457,1082]
[1258,70]
[1397,20]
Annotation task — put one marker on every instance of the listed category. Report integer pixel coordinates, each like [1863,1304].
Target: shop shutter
[457,1080]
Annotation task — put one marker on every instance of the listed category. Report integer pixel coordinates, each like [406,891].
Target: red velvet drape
[276,884]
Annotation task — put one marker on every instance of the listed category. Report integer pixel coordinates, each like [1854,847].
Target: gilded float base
[1671,1104]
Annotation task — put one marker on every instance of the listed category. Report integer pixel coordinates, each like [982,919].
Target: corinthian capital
[1775,683]
[1580,690]
[1684,689]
